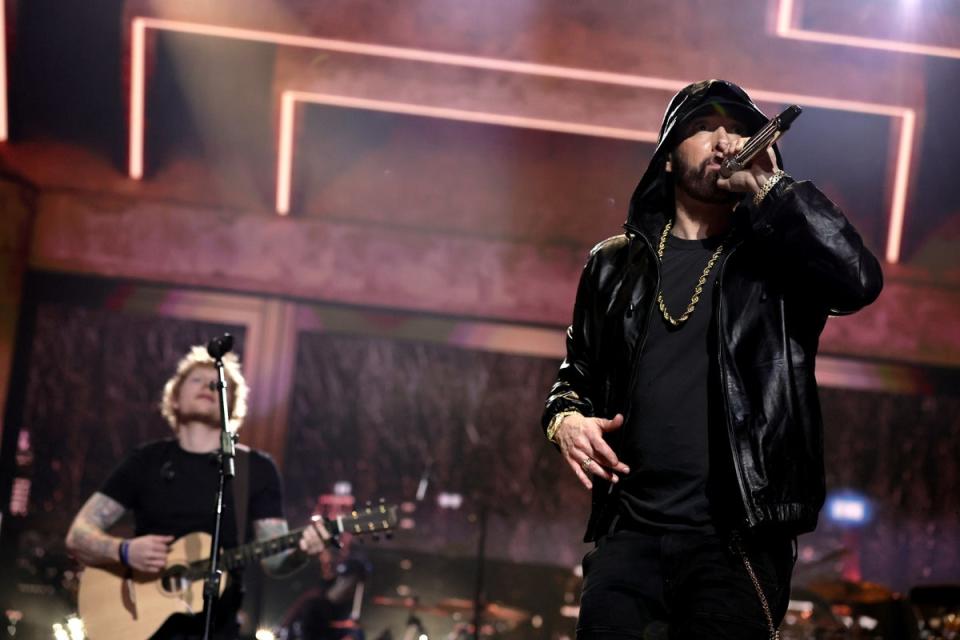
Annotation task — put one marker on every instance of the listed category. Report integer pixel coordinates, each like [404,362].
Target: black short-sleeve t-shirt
[666,441]
[172,491]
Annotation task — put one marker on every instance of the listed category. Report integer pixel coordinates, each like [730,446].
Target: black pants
[682,586]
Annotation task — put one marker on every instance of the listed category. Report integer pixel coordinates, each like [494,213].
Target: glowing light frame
[4,127]
[139,26]
[289,99]
[785,29]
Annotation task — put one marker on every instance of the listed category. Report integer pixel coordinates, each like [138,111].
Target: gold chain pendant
[697,291]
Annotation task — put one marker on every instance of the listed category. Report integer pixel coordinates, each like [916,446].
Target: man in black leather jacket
[687,400]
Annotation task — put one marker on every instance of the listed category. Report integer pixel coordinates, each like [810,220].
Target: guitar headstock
[370,520]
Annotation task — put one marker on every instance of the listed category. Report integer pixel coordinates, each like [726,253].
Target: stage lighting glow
[342,488]
[868,623]
[76,629]
[4,134]
[787,29]
[800,605]
[265,634]
[20,496]
[848,508]
[59,633]
[449,500]
[289,99]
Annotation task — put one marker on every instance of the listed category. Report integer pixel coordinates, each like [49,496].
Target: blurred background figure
[331,609]
[330,606]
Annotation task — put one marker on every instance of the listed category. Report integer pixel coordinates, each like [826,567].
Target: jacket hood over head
[652,200]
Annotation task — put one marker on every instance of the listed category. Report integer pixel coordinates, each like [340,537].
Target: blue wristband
[124,553]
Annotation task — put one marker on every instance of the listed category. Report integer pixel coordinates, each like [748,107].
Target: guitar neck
[248,553]
[371,520]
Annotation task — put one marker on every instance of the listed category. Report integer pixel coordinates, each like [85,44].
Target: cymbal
[391,601]
[408,603]
[490,611]
[852,592]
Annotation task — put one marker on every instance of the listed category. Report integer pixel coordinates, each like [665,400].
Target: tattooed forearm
[284,563]
[87,538]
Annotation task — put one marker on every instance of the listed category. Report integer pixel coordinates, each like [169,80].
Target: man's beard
[700,185]
[211,418]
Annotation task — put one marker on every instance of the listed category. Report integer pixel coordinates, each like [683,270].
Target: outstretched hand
[581,442]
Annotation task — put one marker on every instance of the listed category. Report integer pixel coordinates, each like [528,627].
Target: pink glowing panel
[785,29]
[287,114]
[4,129]
[901,168]
[139,26]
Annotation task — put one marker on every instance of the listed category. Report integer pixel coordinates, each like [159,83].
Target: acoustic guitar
[123,603]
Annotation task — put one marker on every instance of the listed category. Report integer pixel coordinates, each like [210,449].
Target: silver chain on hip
[774,631]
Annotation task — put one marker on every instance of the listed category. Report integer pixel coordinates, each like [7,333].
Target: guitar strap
[241,491]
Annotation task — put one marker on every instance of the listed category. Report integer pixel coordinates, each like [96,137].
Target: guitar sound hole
[174,580]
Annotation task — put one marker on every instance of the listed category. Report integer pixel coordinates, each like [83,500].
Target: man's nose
[722,138]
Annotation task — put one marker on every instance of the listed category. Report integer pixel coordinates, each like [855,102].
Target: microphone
[218,347]
[761,140]
[424,482]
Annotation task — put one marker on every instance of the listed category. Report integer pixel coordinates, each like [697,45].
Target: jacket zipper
[787,357]
[737,464]
[643,341]
[635,365]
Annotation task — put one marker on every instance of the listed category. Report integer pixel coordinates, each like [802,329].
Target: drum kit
[496,618]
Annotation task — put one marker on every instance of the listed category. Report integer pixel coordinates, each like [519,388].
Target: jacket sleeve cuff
[567,402]
[763,217]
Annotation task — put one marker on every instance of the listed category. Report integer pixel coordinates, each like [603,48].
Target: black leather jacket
[792,262]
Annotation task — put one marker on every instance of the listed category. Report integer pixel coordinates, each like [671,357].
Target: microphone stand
[217,348]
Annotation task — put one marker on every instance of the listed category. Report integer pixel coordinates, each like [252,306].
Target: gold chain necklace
[697,291]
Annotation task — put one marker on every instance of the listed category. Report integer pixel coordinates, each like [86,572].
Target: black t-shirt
[172,492]
[666,441]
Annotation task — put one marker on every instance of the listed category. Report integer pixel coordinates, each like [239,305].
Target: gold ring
[586,463]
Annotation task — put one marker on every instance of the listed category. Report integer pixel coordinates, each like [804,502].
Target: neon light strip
[900,182]
[287,113]
[138,69]
[785,29]
[138,43]
[419,55]
[4,125]
[285,152]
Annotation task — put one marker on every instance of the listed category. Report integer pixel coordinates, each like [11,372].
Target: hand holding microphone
[743,171]
[761,140]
